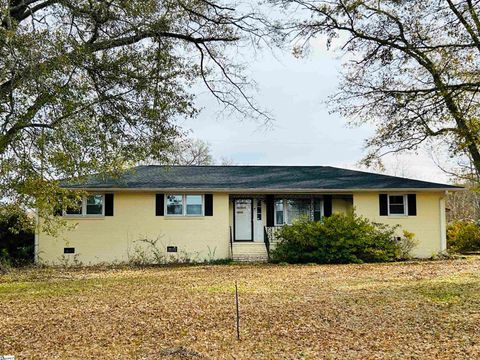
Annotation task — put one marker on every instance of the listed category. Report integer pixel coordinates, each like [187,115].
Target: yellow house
[198,213]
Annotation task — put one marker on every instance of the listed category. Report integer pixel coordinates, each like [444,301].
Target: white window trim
[84,208]
[184,206]
[259,206]
[405,205]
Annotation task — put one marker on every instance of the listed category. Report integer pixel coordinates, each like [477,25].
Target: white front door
[243,220]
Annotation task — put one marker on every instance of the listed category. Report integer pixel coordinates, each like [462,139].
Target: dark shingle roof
[253,177]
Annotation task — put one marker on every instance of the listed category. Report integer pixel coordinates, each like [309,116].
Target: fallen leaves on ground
[401,310]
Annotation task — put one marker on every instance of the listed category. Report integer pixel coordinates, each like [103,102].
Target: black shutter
[108,204]
[383,203]
[270,204]
[412,204]
[327,205]
[159,201]
[208,204]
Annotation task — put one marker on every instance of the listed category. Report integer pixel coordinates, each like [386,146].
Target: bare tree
[464,205]
[225,161]
[192,152]
[412,69]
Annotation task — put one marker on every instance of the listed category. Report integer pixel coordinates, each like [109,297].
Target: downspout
[443,223]
[37,237]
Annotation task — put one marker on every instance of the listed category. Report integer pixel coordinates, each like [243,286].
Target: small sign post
[238,310]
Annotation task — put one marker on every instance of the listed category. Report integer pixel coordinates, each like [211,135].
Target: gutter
[261,190]
[37,238]
[443,223]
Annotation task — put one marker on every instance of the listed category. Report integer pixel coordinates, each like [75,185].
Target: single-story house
[196,213]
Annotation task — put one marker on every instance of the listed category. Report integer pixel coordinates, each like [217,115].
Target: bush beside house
[463,236]
[17,236]
[340,238]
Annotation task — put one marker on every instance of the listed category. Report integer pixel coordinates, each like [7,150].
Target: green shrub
[340,238]
[17,236]
[406,244]
[463,236]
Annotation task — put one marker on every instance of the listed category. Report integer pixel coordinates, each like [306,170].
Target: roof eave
[262,190]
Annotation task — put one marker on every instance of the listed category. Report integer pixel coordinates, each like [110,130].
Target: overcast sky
[303,132]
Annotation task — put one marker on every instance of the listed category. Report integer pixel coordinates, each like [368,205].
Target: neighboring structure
[197,213]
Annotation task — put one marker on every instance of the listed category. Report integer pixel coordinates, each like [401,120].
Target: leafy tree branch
[95,86]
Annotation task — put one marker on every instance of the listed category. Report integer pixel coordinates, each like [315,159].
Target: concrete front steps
[250,251]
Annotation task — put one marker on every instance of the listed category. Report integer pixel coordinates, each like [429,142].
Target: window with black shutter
[398,204]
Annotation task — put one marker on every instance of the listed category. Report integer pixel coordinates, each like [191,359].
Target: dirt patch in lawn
[404,310]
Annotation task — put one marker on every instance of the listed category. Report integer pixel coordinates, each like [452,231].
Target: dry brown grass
[404,310]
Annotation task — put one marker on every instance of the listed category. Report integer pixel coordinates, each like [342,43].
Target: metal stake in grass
[238,310]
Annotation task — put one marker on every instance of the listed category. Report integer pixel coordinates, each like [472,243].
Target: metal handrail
[270,231]
[266,239]
[231,242]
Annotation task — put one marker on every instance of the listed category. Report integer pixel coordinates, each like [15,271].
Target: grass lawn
[404,310]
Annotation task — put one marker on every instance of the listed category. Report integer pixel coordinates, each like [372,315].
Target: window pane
[279,212]
[259,209]
[297,208]
[194,204]
[95,205]
[317,209]
[174,205]
[279,217]
[396,199]
[397,209]
[397,205]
